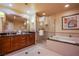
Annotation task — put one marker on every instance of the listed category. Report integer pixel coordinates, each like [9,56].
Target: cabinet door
[23,41]
[13,43]
[0,47]
[28,40]
[32,38]
[16,42]
[19,42]
[6,45]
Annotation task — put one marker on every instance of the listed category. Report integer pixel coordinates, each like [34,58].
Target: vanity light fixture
[67,5]
[44,13]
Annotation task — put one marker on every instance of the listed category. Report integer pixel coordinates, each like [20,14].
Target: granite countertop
[13,34]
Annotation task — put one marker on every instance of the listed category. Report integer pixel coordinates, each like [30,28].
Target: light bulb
[67,5]
[10,5]
[43,13]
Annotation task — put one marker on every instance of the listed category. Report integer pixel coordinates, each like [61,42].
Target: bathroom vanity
[13,42]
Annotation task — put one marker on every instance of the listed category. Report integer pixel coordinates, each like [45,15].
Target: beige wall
[51,25]
[58,21]
[55,23]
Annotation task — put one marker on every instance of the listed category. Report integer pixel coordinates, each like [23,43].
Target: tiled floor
[34,50]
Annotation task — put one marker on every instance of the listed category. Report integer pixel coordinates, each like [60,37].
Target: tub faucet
[70,35]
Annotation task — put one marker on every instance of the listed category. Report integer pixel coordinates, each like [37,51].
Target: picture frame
[70,22]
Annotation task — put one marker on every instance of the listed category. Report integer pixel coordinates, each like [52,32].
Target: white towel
[41,32]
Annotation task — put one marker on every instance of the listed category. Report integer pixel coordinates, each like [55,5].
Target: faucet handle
[70,35]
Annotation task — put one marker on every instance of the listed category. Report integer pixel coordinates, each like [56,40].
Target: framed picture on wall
[70,22]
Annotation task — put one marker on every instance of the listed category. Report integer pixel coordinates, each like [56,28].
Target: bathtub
[74,40]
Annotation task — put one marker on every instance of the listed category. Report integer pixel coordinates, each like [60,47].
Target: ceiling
[39,8]
[52,8]
[19,8]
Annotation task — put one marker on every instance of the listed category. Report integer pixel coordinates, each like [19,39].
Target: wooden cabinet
[27,40]
[32,38]
[19,41]
[5,44]
[15,42]
[0,46]
[23,41]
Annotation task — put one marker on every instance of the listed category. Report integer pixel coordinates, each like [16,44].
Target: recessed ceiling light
[10,5]
[67,5]
[43,13]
